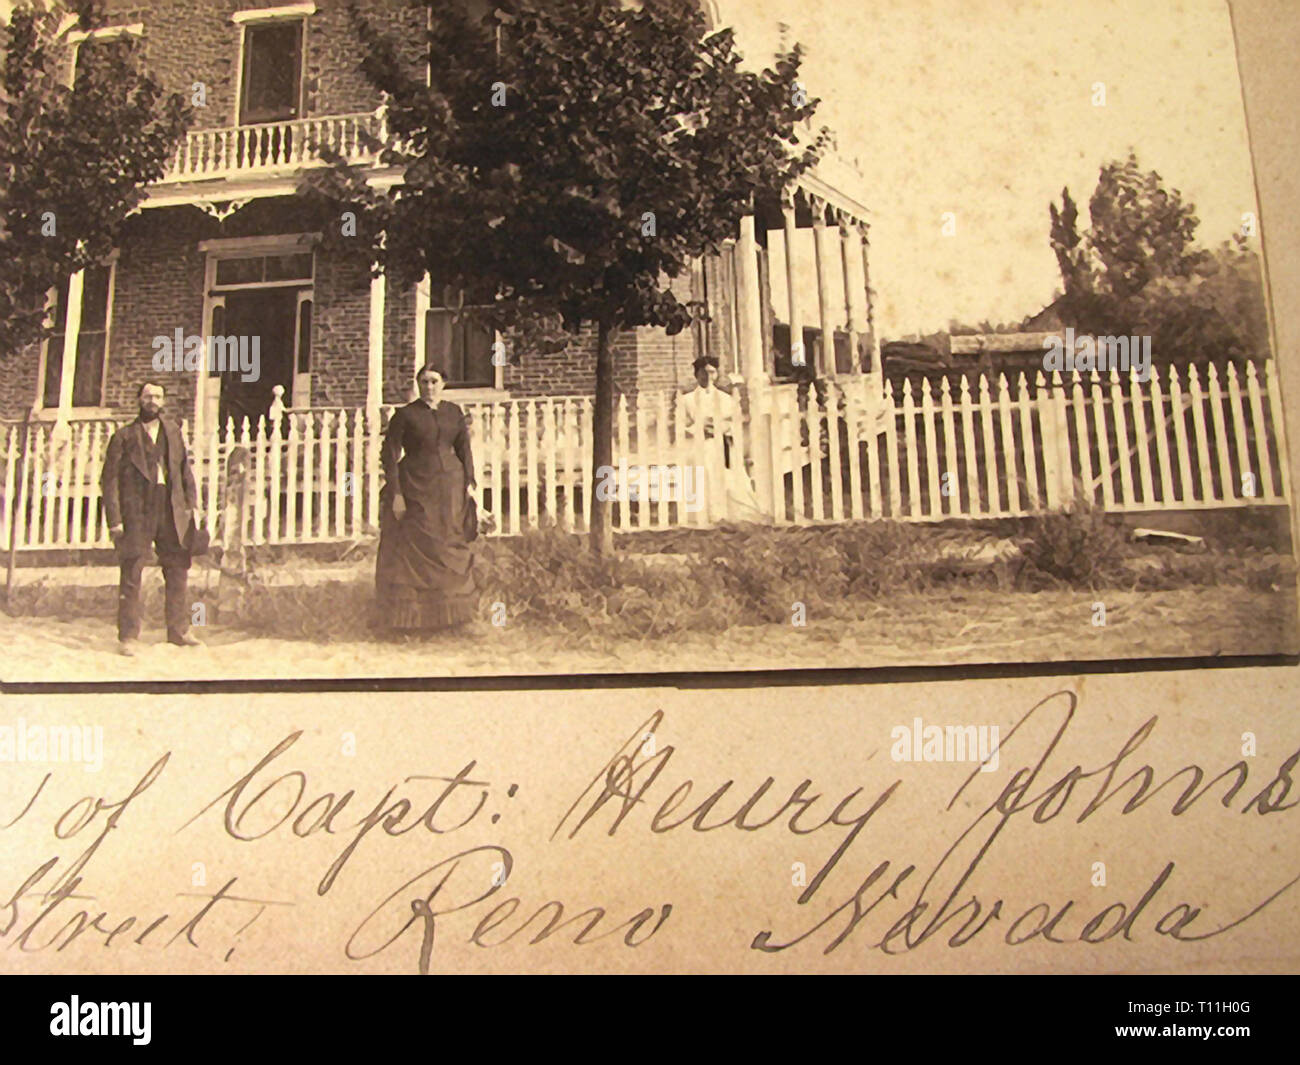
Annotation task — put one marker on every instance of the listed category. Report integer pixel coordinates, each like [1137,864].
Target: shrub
[1082,547]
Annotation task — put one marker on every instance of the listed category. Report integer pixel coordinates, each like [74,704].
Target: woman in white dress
[709,426]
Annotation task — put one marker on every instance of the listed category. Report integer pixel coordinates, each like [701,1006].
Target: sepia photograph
[647,486]
[387,339]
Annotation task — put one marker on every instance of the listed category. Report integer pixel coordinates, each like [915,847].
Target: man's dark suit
[151,514]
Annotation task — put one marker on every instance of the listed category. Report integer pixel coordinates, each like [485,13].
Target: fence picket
[968,446]
[1142,441]
[1279,426]
[913,459]
[1239,432]
[1220,435]
[1187,490]
[530,463]
[1027,447]
[513,493]
[949,450]
[1261,432]
[308,478]
[1083,439]
[357,484]
[1008,443]
[1202,442]
[1162,441]
[891,453]
[934,503]
[1105,470]
[1123,454]
[549,441]
[812,418]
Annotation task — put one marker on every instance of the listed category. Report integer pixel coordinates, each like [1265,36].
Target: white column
[797,354]
[823,289]
[423,296]
[852,303]
[375,351]
[751,315]
[873,335]
[71,327]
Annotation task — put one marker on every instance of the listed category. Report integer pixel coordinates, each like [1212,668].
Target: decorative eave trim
[258,14]
[135,29]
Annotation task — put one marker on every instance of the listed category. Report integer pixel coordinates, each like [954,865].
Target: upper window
[271,81]
[97,46]
[92,341]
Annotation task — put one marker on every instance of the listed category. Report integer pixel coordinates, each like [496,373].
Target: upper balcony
[263,159]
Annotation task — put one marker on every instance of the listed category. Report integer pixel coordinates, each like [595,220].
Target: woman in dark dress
[424,575]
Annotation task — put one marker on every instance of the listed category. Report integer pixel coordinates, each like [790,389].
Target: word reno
[233,354]
[946,743]
[53,743]
[1086,354]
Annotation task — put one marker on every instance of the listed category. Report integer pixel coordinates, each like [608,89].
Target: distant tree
[1138,271]
[74,161]
[567,158]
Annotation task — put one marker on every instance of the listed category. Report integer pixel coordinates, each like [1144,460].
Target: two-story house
[222,247]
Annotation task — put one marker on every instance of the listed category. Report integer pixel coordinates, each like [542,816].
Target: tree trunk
[602,443]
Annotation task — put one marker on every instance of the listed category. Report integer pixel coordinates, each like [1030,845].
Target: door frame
[207,389]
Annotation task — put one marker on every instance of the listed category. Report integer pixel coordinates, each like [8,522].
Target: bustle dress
[424,576]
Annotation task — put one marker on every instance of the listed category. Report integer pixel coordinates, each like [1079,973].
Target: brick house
[219,249]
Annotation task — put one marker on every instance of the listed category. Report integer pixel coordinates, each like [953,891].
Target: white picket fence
[830,452]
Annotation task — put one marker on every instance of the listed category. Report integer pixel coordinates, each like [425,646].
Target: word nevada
[1088,353]
[178,353]
[652,484]
[102,1018]
[946,743]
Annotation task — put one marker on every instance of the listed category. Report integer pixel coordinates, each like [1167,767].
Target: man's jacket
[129,486]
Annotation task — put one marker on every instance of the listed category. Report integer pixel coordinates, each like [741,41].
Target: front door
[261,322]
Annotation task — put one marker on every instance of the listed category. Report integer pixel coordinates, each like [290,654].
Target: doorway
[263,323]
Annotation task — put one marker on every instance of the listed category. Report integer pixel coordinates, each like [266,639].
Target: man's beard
[148,415]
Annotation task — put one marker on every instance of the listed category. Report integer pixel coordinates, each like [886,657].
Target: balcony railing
[274,147]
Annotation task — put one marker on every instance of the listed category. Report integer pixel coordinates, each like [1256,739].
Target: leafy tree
[74,161]
[566,159]
[1138,271]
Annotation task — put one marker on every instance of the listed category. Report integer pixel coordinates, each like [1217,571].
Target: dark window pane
[438,341]
[272,64]
[94,298]
[88,379]
[53,370]
[477,368]
[288,267]
[304,337]
[239,271]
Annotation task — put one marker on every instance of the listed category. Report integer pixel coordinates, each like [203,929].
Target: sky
[985,108]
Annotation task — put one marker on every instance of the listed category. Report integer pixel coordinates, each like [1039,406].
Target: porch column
[375,351]
[823,289]
[751,312]
[849,253]
[71,327]
[797,354]
[873,338]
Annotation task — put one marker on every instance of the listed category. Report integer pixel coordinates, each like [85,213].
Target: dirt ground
[952,628]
